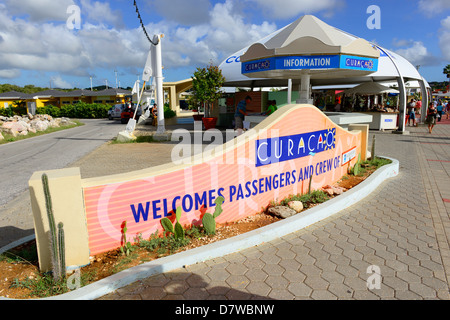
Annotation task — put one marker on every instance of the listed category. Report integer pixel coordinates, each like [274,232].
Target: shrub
[168,113]
[80,110]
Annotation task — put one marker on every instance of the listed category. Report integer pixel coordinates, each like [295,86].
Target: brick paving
[403,228]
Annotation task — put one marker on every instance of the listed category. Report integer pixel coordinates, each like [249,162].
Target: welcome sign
[270,162]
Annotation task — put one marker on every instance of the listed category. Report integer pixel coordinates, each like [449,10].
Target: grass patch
[316,196]
[139,139]
[10,138]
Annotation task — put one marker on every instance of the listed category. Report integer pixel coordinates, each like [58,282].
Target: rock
[338,190]
[1,137]
[282,211]
[30,116]
[329,191]
[39,125]
[296,205]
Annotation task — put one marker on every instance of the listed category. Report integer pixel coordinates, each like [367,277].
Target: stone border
[230,245]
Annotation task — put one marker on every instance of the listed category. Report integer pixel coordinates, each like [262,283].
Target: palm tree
[447,72]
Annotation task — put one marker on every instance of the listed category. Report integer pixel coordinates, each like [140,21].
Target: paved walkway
[403,228]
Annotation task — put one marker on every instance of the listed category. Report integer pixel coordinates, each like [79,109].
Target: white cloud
[10,73]
[60,83]
[417,54]
[444,38]
[32,45]
[286,9]
[184,12]
[101,12]
[40,10]
[431,7]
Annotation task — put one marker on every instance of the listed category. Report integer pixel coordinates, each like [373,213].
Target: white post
[305,92]
[289,96]
[159,84]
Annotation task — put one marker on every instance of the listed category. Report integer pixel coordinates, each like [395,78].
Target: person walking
[431,117]
[412,112]
[241,112]
[439,110]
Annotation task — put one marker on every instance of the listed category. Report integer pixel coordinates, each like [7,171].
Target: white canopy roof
[387,71]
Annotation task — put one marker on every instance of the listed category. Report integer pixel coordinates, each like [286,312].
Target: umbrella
[370,88]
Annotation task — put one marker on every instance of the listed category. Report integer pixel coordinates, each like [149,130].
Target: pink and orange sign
[270,162]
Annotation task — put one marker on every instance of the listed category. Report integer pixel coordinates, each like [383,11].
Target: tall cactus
[62,250]
[56,236]
[373,149]
[53,233]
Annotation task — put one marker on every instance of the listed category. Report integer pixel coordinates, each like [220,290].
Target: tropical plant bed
[19,271]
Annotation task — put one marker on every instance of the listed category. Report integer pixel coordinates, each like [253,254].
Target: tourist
[241,112]
[431,117]
[412,112]
[447,108]
[272,107]
[155,115]
[439,110]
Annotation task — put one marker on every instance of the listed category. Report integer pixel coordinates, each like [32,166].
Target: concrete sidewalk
[402,228]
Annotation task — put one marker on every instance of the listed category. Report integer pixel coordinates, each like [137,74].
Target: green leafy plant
[178,230]
[209,220]
[206,84]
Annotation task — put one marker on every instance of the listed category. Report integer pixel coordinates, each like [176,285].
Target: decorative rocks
[17,125]
[333,191]
[282,211]
[296,205]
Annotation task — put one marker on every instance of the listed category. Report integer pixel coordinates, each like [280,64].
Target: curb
[230,245]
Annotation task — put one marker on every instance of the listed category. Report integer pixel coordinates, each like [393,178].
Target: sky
[66,43]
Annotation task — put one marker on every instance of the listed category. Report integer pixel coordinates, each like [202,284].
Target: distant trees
[26,89]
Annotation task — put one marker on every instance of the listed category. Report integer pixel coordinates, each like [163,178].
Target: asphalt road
[19,160]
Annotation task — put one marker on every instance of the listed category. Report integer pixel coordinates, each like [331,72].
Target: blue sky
[37,46]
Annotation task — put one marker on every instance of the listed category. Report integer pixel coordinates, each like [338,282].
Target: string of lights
[142,24]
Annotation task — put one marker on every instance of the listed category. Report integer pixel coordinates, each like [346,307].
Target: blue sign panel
[291,63]
[358,63]
[274,150]
[311,63]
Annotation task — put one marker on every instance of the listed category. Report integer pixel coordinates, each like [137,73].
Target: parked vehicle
[116,111]
[128,113]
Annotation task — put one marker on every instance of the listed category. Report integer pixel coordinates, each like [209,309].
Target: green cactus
[209,220]
[53,237]
[373,150]
[62,250]
[209,223]
[357,166]
[167,225]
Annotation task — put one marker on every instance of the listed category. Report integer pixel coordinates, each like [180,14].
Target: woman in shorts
[431,117]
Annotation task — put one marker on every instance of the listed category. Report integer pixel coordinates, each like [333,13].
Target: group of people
[241,111]
[436,110]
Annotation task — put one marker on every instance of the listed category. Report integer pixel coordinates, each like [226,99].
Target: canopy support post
[305,89]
